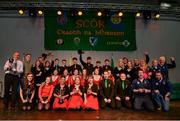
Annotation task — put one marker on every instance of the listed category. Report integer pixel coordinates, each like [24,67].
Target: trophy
[61,100]
[89,90]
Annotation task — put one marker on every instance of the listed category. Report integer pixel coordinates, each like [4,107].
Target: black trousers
[104,105]
[10,81]
[143,100]
[123,102]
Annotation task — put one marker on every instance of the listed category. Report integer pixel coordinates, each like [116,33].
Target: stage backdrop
[89,32]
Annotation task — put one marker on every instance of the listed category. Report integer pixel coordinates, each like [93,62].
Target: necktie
[106,83]
[15,65]
[123,85]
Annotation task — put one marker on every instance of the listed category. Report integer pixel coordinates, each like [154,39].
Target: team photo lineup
[53,84]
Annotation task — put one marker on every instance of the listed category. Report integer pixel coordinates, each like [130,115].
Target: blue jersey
[163,86]
[137,84]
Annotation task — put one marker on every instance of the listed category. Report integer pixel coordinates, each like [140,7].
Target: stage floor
[106,114]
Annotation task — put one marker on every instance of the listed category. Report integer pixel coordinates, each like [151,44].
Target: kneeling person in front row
[142,92]
[106,92]
[123,92]
[76,96]
[27,91]
[45,94]
[61,94]
[90,95]
[161,92]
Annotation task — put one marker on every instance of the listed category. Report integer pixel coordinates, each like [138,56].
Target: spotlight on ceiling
[21,11]
[157,15]
[99,13]
[40,12]
[59,12]
[120,14]
[138,14]
[80,13]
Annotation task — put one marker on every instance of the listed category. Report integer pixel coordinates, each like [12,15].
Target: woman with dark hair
[61,94]
[76,93]
[45,94]
[73,77]
[97,78]
[84,77]
[47,69]
[55,78]
[67,77]
[37,71]
[130,72]
[91,95]
[27,91]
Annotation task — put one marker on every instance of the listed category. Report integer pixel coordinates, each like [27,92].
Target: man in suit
[107,66]
[123,92]
[75,65]
[106,88]
[63,66]
[87,65]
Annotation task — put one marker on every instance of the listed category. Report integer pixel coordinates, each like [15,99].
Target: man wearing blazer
[106,92]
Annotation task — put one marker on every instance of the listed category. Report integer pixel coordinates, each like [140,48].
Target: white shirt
[18,68]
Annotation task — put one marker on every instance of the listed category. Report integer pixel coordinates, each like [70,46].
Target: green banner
[89,31]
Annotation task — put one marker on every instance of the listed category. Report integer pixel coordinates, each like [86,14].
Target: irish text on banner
[89,31]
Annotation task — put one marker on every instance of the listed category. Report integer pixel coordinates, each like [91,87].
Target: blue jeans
[161,102]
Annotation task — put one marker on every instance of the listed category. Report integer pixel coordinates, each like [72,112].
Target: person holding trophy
[91,95]
[61,94]
[76,93]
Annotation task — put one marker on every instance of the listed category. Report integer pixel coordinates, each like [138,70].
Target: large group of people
[49,85]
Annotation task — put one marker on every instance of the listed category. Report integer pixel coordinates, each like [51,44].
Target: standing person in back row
[164,66]
[13,71]
[87,65]
[27,64]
